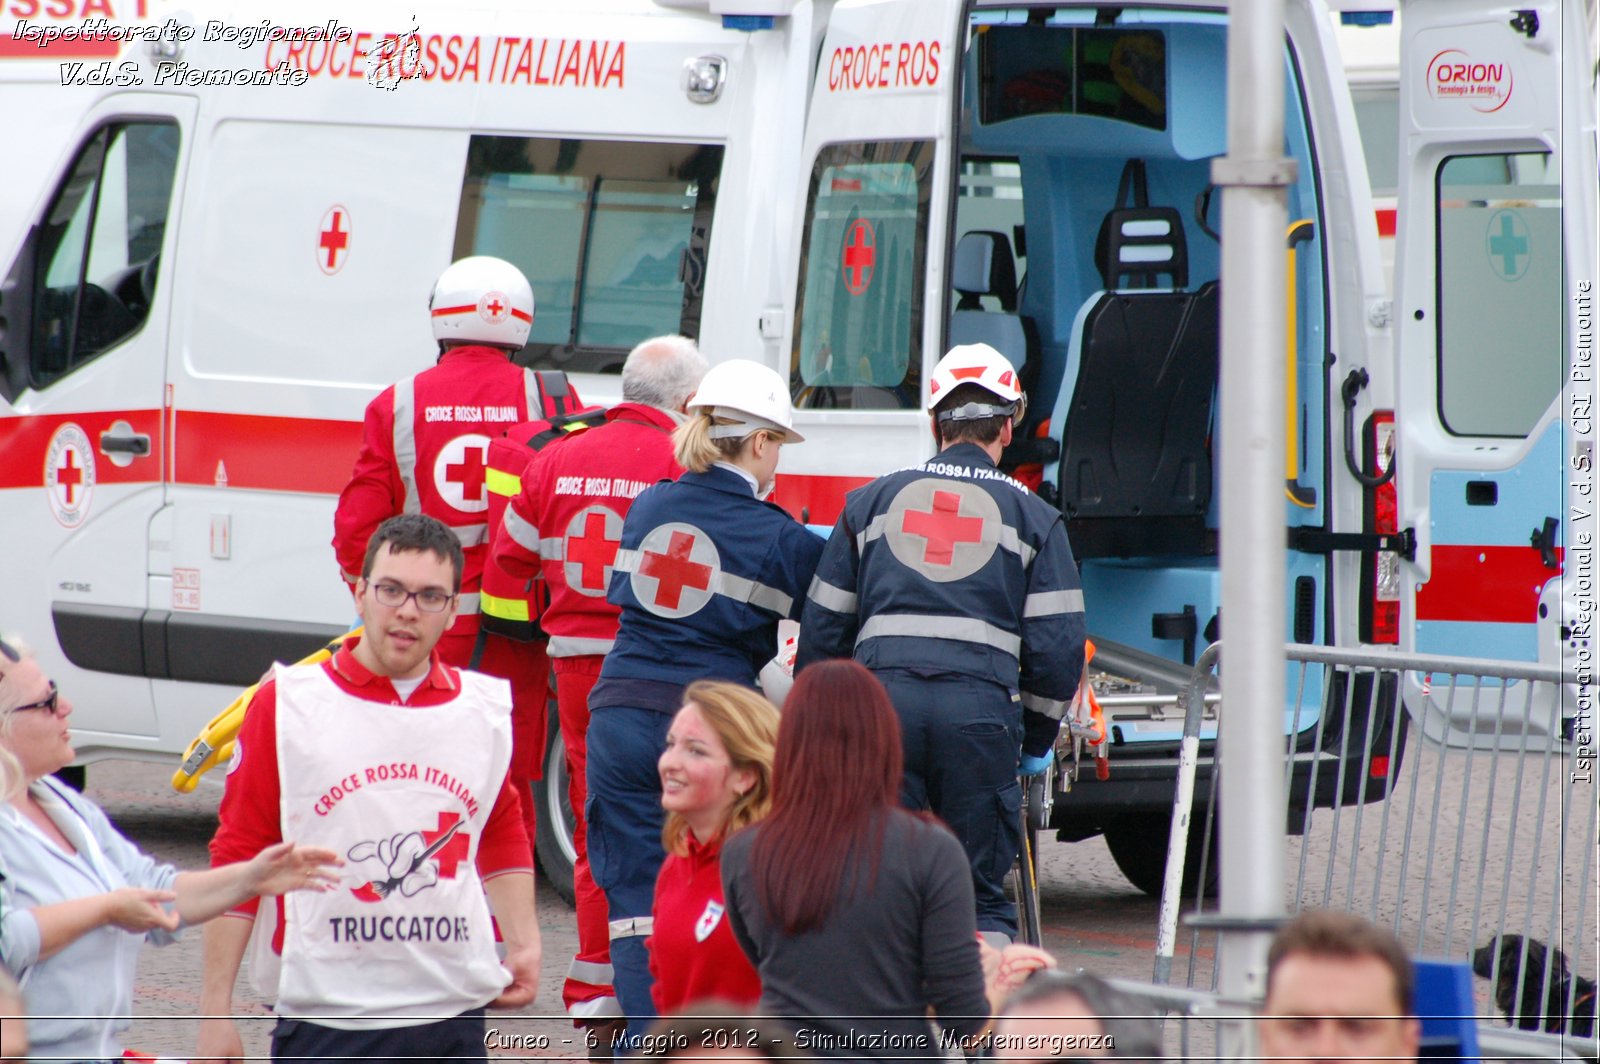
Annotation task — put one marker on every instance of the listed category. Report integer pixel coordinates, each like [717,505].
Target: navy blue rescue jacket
[704,574]
[954,567]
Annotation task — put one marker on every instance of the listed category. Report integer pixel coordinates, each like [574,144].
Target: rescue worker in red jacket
[424,448]
[567,522]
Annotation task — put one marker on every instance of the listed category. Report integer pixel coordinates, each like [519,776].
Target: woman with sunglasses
[77,898]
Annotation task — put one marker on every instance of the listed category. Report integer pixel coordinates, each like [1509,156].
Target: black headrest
[983,266]
[1141,243]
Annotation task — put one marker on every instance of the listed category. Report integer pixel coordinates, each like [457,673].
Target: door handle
[1543,540]
[137,445]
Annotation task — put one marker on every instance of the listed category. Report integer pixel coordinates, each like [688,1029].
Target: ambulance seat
[983,266]
[1135,409]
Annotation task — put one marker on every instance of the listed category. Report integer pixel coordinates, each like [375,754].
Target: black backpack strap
[554,389]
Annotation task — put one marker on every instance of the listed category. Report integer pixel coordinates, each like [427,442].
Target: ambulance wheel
[555,849]
[1138,843]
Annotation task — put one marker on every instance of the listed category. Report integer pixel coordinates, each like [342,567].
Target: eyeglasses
[51,703]
[429,599]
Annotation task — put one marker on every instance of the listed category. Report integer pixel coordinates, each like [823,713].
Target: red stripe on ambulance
[25,439]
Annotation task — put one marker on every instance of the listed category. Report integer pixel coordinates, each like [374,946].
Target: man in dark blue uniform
[955,585]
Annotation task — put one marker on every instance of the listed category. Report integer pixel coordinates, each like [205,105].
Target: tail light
[1379,613]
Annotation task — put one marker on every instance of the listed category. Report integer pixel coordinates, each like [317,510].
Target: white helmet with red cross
[482,300]
[985,367]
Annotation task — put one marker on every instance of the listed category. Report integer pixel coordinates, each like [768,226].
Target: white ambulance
[220,223]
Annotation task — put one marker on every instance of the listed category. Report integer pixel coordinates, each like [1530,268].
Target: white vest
[402,794]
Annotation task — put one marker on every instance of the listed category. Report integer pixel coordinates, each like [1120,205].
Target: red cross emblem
[334,240]
[69,475]
[938,527]
[860,253]
[492,307]
[943,527]
[454,850]
[459,472]
[591,549]
[468,473]
[674,570]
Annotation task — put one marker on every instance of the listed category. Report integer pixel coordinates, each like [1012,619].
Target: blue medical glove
[1033,766]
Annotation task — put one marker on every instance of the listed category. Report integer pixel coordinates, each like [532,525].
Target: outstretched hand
[286,866]
[139,910]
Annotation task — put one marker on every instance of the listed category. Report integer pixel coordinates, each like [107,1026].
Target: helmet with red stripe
[482,300]
[984,367]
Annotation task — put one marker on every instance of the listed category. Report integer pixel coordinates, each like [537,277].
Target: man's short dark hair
[416,532]
[1328,933]
[1130,1026]
[982,430]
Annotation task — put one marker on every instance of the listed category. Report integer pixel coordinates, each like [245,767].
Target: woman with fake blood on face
[77,899]
[716,777]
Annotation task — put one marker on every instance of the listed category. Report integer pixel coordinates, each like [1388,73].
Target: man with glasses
[397,762]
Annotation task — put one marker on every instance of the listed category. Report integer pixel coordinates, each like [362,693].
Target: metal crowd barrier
[1446,818]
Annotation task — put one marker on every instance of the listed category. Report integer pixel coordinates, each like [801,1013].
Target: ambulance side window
[858,341]
[1500,312]
[613,237]
[89,275]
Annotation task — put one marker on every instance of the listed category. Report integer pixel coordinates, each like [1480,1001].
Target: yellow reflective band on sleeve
[500,482]
[504,608]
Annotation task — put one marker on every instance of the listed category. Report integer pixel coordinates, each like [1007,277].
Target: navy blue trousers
[962,736]
[459,1038]
[625,855]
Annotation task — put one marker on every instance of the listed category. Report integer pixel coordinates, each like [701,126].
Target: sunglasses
[50,703]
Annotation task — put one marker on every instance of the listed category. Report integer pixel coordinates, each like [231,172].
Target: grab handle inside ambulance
[1299,233]
[1348,391]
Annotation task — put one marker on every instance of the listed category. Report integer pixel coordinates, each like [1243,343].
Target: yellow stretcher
[214,745]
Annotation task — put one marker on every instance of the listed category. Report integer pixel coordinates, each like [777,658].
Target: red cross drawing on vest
[69,475]
[451,853]
[943,527]
[859,256]
[333,239]
[468,473]
[592,551]
[673,570]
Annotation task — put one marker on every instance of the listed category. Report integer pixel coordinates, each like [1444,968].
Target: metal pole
[1253,177]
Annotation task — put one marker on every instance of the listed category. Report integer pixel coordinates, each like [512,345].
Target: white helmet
[982,365]
[482,299]
[749,394]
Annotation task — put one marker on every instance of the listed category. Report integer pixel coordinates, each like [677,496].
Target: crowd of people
[830,876]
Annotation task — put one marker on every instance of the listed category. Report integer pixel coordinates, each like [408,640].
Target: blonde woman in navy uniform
[705,572]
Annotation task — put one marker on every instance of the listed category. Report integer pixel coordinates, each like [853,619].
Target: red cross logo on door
[69,475]
[944,529]
[860,255]
[593,536]
[333,242]
[674,570]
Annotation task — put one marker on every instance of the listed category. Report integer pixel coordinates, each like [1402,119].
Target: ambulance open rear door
[1495,238]
[869,279]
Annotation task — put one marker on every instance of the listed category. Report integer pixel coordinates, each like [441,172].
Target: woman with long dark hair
[857,913]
